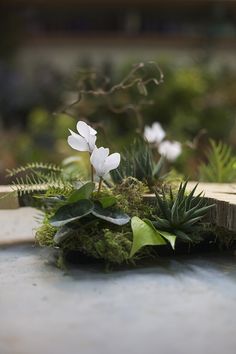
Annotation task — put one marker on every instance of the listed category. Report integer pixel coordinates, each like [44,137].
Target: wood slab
[8,199]
[18,226]
[222,195]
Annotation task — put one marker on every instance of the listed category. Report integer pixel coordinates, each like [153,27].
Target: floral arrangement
[112,216]
[120,207]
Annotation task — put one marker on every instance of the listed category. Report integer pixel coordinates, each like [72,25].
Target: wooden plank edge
[8,198]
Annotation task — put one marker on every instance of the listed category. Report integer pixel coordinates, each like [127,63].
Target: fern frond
[52,183]
[221,165]
[34,166]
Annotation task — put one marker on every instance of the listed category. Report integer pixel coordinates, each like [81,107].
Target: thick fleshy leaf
[77,142]
[144,234]
[62,234]
[112,215]
[71,212]
[84,192]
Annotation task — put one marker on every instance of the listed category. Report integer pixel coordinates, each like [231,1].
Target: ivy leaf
[113,216]
[107,201]
[84,192]
[144,234]
[62,234]
[71,212]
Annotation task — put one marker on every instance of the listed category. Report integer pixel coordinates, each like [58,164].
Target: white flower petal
[111,162]
[91,142]
[73,133]
[149,134]
[92,131]
[98,158]
[155,133]
[77,142]
[171,150]
[83,129]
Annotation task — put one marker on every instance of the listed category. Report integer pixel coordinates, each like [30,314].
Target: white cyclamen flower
[102,162]
[85,140]
[170,149]
[155,133]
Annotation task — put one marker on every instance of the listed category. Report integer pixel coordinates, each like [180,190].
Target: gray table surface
[183,305]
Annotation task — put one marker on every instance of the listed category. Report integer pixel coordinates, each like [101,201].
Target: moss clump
[97,238]
[93,240]
[225,238]
[44,234]
[129,194]
[110,245]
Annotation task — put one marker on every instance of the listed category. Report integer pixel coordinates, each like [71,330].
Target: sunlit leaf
[107,201]
[169,237]
[144,234]
[84,192]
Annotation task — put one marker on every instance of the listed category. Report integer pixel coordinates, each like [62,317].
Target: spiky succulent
[137,161]
[181,213]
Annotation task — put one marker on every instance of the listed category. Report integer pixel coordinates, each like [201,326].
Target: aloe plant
[137,161]
[181,213]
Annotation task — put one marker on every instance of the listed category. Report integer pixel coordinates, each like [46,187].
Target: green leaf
[113,216]
[107,201]
[169,237]
[144,234]
[84,192]
[71,212]
[158,166]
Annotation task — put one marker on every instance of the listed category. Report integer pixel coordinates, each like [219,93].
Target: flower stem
[92,174]
[92,170]
[100,184]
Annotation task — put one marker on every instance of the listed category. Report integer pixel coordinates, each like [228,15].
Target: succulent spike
[180,213]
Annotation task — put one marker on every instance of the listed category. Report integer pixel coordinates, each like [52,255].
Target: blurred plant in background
[220,166]
[194,102]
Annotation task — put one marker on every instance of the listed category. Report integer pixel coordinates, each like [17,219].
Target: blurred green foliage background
[195,101]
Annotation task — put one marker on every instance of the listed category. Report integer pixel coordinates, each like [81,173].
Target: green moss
[224,237]
[130,198]
[113,246]
[44,235]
